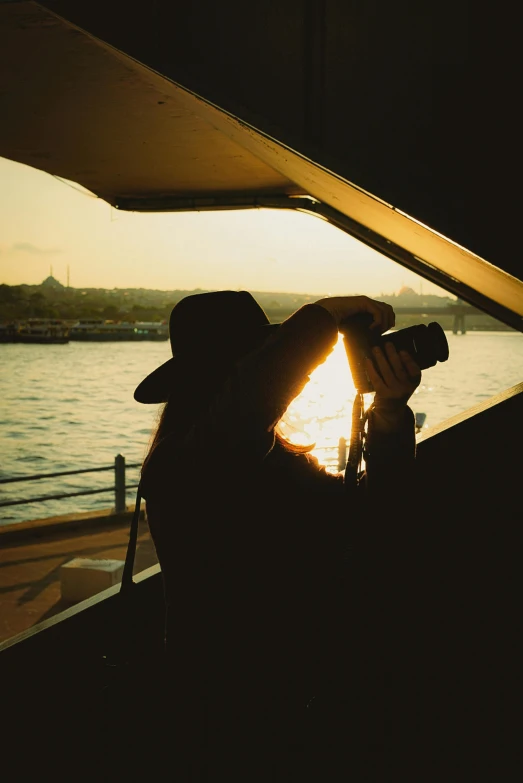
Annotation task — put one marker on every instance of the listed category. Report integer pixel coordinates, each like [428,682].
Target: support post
[119,484]
[459,324]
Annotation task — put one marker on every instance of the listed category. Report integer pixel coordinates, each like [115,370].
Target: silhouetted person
[254,537]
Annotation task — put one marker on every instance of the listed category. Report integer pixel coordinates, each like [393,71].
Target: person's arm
[390,444]
[386,529]
[240,420]
[275,374]
[391,441]
[236,429]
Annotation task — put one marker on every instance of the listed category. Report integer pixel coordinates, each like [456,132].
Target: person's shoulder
[320,471]
[167,459]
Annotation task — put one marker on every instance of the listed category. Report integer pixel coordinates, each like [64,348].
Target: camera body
[426,343]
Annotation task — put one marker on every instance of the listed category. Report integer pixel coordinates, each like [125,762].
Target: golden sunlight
[321,414]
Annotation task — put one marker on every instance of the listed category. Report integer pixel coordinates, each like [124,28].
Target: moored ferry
[35,330]
[104,330]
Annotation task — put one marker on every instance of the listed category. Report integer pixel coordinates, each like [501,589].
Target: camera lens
[426,344]
[439,341]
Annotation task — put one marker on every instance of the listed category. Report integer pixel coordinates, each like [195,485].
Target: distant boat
[35,330]
[99,330]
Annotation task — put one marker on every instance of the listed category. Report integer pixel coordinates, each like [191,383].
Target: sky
[47,223]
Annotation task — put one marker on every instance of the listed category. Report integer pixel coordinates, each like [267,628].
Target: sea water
[71,407]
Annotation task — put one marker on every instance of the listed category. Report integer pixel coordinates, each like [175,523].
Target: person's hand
[342,307]
[395,380]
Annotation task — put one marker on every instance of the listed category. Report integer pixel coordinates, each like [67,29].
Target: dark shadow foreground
[432,688]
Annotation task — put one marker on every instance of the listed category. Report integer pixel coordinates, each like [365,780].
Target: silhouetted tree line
[21,302]
[53,300]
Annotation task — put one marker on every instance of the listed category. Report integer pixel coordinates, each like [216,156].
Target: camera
[426,343]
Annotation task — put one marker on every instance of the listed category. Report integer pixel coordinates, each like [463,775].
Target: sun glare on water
[321,414]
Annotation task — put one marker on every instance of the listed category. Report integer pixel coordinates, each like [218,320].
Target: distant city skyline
[48,222]
[51,281]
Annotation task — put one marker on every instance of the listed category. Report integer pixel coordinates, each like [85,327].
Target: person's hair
[184,404]
[177,415]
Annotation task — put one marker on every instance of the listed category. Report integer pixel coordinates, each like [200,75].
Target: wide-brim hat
[217,327]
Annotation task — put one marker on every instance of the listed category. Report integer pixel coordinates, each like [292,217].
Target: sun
[321,414]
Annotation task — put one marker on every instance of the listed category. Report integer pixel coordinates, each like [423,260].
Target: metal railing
[119,467]
[119,487]
[341,459]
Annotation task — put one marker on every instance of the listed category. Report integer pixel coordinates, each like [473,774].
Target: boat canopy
[150,116]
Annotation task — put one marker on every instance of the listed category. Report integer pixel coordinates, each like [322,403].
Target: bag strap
[353,467]
[127,576]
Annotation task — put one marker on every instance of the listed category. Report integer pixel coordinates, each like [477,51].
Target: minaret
[67,275]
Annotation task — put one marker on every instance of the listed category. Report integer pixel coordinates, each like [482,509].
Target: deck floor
[30,569]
